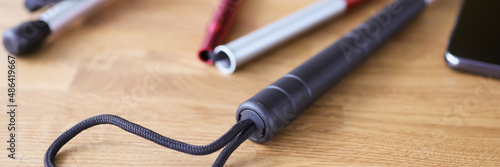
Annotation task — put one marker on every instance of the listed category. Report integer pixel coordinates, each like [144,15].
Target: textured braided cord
[233,138]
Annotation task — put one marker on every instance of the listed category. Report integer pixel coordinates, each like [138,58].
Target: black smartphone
[475,43]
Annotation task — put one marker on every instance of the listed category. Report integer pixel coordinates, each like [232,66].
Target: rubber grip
[26,37]
[275,107]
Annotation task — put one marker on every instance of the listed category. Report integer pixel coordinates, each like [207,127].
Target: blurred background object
[29,36]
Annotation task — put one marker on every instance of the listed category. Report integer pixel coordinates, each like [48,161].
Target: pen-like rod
[218,28]
[30,35]
[230,56]
[279,104]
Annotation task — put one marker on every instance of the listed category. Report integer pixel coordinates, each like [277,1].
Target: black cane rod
[273,108]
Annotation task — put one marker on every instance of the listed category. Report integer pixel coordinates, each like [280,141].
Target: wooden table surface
[137,59]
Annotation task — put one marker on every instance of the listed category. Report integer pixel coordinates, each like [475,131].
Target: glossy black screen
[477,34]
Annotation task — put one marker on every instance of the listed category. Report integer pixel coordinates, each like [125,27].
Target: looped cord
[233,138]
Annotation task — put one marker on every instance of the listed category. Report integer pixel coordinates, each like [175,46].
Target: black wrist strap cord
[232,139]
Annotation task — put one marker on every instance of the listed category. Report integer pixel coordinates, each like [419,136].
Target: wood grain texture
[137,59]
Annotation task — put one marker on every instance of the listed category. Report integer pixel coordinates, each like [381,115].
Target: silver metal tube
[66,12]
[240,51]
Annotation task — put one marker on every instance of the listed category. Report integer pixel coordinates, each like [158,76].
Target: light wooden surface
[137,59]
